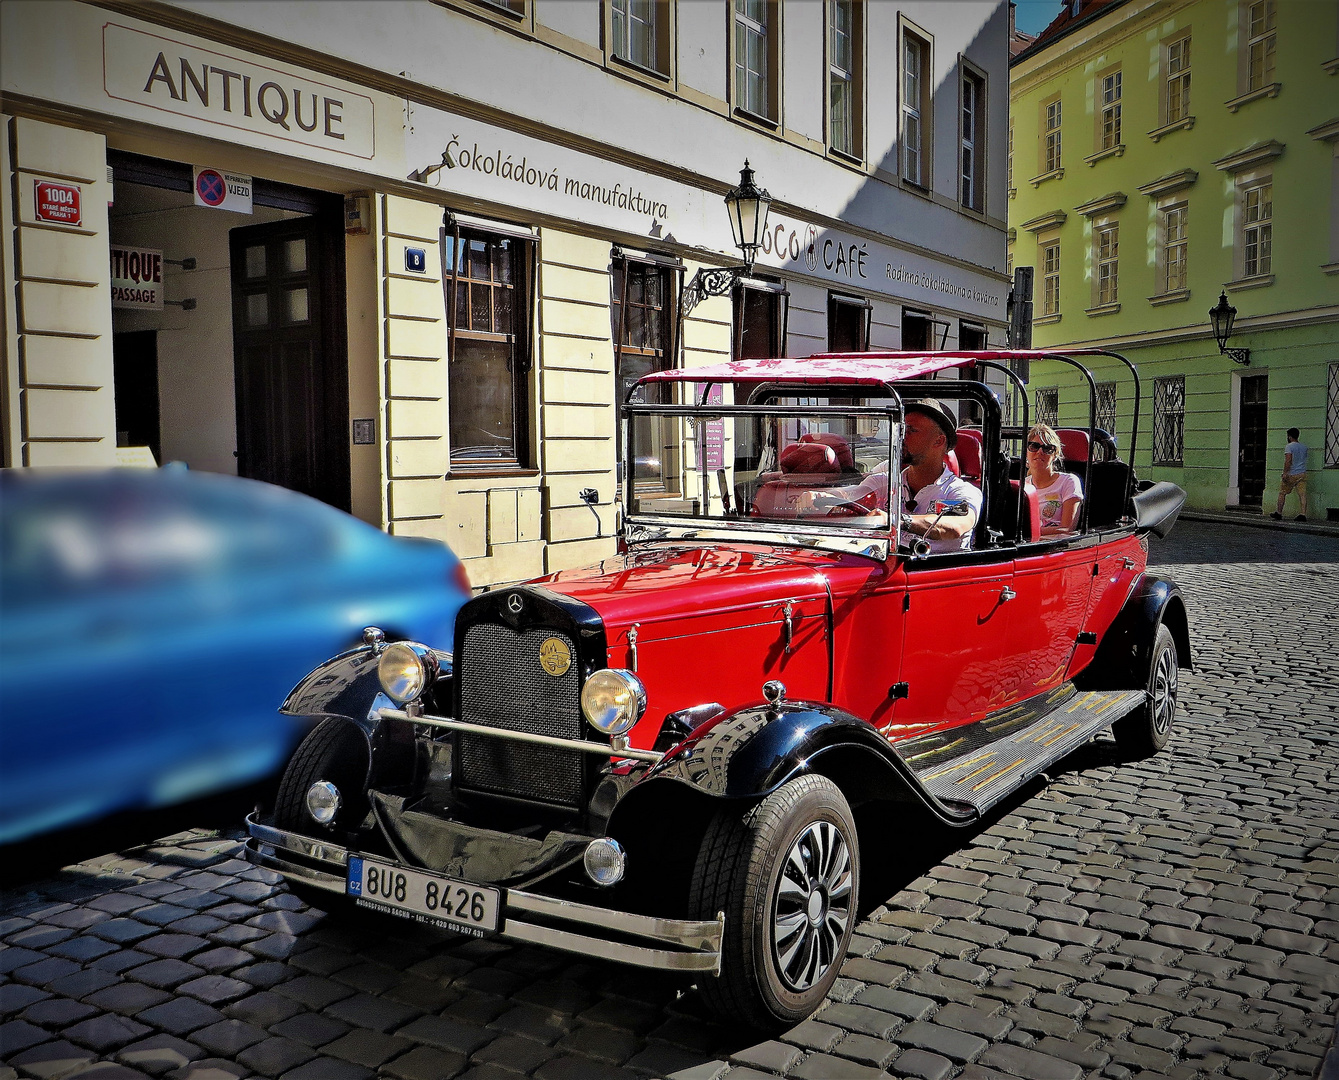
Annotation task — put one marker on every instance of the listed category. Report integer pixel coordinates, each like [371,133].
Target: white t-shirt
[1296,463]
[933,498]
[1054,495]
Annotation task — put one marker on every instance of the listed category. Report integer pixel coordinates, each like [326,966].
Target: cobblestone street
[1175,917]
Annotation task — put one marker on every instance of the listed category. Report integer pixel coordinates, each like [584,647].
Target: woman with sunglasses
[1059,493]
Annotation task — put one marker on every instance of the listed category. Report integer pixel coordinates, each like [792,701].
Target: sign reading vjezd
[182,78]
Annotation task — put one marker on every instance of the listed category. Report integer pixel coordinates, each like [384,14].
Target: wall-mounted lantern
[1221,317]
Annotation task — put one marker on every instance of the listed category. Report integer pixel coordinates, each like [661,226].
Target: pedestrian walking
[1294,475]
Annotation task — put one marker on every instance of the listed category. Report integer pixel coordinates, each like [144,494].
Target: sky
[1033,16]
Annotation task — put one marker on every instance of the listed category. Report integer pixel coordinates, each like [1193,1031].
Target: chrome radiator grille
[503,685]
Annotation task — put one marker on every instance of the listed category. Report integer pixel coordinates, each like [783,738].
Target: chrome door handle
[1128,563]
[788,616]
[1007,595]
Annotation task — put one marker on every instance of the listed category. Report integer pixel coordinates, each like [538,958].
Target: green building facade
[1161,154]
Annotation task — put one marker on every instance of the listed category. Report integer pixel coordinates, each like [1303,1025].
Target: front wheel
[1146,730]
[787,874]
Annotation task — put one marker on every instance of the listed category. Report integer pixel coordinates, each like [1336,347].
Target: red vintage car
[675,758]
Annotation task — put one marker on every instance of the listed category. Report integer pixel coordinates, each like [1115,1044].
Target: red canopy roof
[863,368]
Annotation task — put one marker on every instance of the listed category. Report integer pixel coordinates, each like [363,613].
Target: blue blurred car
[152,622]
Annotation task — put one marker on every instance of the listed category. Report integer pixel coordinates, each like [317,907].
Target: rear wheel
[786,873]
[1147,730]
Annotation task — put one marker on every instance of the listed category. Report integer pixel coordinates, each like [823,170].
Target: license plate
[424,897]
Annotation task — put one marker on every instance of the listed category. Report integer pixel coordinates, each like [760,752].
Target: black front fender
[1122,659]
[748,753]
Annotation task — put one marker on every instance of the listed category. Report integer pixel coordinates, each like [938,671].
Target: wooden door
[289,347]
[1254,440]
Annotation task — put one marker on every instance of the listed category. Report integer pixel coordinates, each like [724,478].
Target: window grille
[1047,407]
[1106,407]
[1260,44]
[1169,417]
[1258,230]
[1108,264]
[1332,419]
[1178,80]
[1111,92]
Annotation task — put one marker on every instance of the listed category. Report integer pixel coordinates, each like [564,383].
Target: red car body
[755,672]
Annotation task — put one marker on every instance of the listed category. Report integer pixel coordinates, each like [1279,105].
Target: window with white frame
[1260,41]
[1111,108]
[1051,114]
[1169,420]
[1174,248]
[1106,253]
[844,53]
[1050,278]
[640,33]
[1332,418]
[1177,66]
[1047,406]
[915,108]
[1257,229]
[973,136]
[753,46]
[1009,158]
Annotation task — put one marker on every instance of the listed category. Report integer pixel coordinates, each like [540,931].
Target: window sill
[1332,66]
[1184,124]
[845,158]
[1056,174]
[1258,281]
[756,118]
[632,67]
[1272,90]
[1103,309]
[489,472]
[1173,297]
[1330,268]
[915,188]
[1112,151]
[1046,320]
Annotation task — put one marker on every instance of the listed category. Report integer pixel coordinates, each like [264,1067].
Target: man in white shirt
[1294,475]
[936,504]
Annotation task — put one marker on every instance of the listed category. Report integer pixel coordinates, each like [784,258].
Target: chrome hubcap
[1164,692]
[813,905]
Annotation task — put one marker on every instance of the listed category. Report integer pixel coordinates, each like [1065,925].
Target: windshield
[816,463]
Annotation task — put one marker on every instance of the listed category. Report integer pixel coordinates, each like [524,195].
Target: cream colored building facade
[313,183]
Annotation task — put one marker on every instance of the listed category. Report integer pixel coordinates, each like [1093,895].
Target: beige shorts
[1293,483]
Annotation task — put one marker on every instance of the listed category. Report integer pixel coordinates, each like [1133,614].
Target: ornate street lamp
[1221,318]
[747,206]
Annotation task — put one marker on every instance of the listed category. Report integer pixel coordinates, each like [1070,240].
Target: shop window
[973,136]
[845,93]
[1047,406]
[915,330]
[848,323]
[1332,418]
[487,281]
[1257,229]
[759,319]
[757,58]
[642,315]
[640,34]
[916,108]
[1169,419]
[1106,407]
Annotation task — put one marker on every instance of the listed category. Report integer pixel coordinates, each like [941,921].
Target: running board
[978,764]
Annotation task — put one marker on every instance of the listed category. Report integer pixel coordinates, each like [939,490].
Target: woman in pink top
[1059,493]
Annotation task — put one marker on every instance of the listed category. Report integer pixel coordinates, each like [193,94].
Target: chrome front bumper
[679,944]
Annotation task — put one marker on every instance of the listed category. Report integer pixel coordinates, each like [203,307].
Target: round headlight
[605,861]
[613,700]
[405,670]
[323,802]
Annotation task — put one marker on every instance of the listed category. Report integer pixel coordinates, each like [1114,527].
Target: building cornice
[1166,185]
[1052,219]
[1252,157]
[1282,320]
[1103,204]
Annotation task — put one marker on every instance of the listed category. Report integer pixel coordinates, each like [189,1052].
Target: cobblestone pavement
[1174,917]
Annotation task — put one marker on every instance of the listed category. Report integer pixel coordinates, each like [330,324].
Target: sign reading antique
[178,77]
[222,190]
[58,203]
[137,278]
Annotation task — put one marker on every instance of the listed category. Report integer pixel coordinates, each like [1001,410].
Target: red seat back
[951,460]
[809,457]
[1032,519]
[1074,442]
[840,447]
[969,455]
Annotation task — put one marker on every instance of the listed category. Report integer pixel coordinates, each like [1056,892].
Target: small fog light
[605,861]
[323,801]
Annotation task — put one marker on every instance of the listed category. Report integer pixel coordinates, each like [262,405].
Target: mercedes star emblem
[515,603]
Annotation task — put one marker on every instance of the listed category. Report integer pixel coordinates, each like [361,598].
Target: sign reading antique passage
[137,278]
[58,203]
[222,190]
[228,89]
